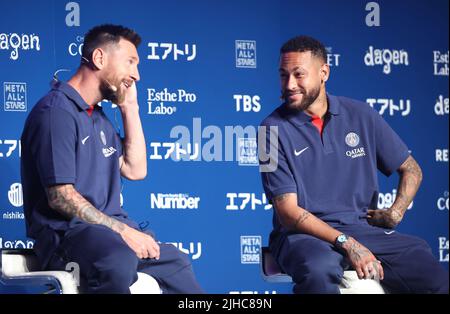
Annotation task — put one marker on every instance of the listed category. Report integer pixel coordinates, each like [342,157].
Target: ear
[99,58]
[324,72]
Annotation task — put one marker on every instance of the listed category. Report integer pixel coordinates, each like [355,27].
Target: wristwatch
[340,241]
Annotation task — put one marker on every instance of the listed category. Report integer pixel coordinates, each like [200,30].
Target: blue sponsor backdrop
[209,75]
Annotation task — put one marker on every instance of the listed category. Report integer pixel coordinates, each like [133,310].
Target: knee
[320,271]
[116,270]
[177,256]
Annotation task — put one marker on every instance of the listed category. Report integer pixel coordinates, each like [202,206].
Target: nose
[291,83]
[135,74]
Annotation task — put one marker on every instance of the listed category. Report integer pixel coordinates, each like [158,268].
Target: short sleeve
[54,146]
[391,151]
[276,174]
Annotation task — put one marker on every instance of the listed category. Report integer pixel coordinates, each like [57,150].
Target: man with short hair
[325,188]
[72,160]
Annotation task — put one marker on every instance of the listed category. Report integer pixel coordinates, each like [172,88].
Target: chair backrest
[270,269]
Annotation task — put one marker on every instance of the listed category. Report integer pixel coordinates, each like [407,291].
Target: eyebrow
[294,69]
[135,58]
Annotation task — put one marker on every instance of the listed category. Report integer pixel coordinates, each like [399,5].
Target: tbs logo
[247,103]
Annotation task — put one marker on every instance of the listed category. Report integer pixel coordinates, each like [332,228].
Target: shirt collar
[71,93]
[333,105]
[300,117]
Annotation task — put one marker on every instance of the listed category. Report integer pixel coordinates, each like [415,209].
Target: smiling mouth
[127,83]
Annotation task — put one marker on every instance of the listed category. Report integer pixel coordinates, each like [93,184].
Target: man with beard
[72,160]
[325,189]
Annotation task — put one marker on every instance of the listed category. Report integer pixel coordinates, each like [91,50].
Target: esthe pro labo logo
[165,101]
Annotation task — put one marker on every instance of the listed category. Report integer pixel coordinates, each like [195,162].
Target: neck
[320,106]
[83,82]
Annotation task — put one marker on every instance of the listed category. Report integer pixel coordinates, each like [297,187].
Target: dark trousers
[408,263]
[108,265]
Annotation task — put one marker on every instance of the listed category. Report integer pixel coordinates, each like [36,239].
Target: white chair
[19,267]
[350,283]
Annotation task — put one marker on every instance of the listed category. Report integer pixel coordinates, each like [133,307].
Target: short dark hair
[106,34]
[305,43]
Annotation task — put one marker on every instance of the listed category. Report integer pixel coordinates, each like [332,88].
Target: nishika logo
[440,63]
[352,140]
[15,195]
[18,42]
[173,201]
[443,249]
[386,58]
[441,106]
[156,100]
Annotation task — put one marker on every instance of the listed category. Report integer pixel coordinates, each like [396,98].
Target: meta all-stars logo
[250,249]
[15,96]
[352,140]
[245,53]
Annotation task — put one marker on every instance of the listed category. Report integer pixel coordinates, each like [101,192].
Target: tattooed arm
[409,182]
[296,218]
[66,200]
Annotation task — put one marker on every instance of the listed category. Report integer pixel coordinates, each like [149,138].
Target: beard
[108,92]
[307,100]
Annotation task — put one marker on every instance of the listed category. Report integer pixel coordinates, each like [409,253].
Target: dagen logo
[386,58]
[18,42]
[441,106]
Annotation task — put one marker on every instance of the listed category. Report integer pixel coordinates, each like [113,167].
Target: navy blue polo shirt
[62,144]
[335,177]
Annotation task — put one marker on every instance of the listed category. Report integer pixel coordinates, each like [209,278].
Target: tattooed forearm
[301,218]
[410,179]
[277,200]
[67,201]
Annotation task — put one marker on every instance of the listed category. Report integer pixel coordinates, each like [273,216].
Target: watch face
[342,238]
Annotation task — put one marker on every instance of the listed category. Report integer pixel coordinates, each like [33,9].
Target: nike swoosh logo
[84,140]
[300,152]
[389,232]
